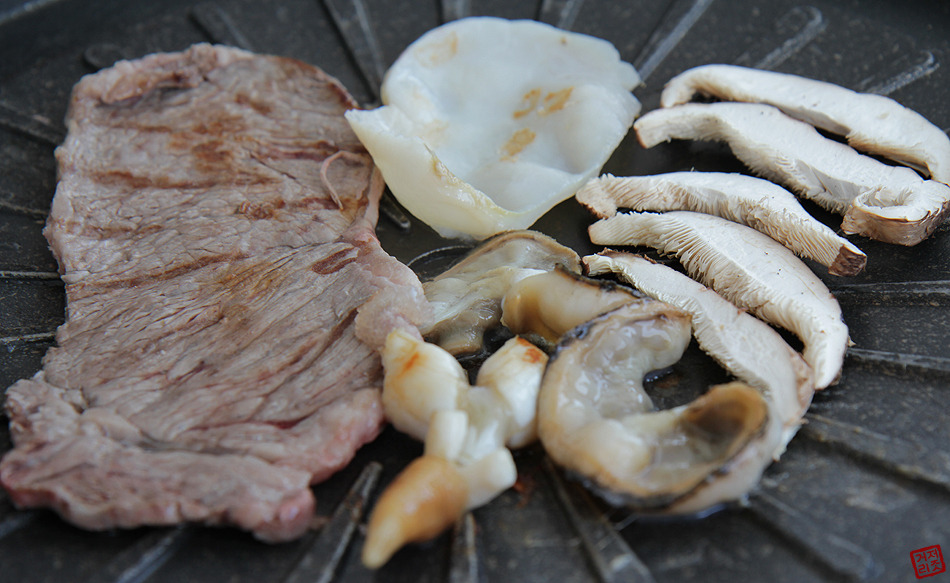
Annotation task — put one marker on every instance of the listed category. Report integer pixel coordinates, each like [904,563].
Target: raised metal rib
[897,363]
[219,26]
[33,213]
[793,31]
[909,68]
[138,562]
[32,126]
[455,9]
[320,562]
[463,562]
[103,55]
[27,338]
[560,13]
[835,553]
[431,263]
[352,20]
[15,522]
[392,211]
[908,459]
[927,293]
[43,275]
[678,19]
[609,554]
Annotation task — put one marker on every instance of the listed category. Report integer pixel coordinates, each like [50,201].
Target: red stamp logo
[927,561]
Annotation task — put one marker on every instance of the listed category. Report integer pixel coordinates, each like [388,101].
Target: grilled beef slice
[214,224]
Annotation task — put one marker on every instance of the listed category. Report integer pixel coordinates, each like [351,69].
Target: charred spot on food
[260,210]
[518,141]
[335,261]
[258,106]
[145,181]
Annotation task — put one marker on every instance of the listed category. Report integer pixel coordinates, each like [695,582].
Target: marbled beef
[214,224]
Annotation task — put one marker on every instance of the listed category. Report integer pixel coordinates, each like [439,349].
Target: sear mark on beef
[219,273]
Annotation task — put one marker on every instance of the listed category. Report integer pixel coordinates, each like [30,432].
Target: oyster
[550,304]
[871,123]
[744,345]
[466,298]
[595,418]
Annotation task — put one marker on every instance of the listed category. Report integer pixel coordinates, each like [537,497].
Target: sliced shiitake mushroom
[871,123]
[750,269]
[754,202]
[888,203]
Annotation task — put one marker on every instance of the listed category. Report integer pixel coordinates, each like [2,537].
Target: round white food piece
[488,123]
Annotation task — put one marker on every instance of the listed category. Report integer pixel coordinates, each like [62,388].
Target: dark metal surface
[865,482]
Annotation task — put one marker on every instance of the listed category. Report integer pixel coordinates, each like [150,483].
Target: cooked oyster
[754,202]
[547,305]
[871,123]
[888,203]
[595,418]
[489,123]
[749,269]
[466,298]
[744,345]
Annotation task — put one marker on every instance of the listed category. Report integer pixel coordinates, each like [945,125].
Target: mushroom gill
[871,123]
[745,346]
[754,202]
[888,203]
[750,269]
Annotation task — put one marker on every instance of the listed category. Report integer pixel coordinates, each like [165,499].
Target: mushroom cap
[871,123]
[793,153]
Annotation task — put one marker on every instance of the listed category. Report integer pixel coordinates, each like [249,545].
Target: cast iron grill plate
[866,481]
